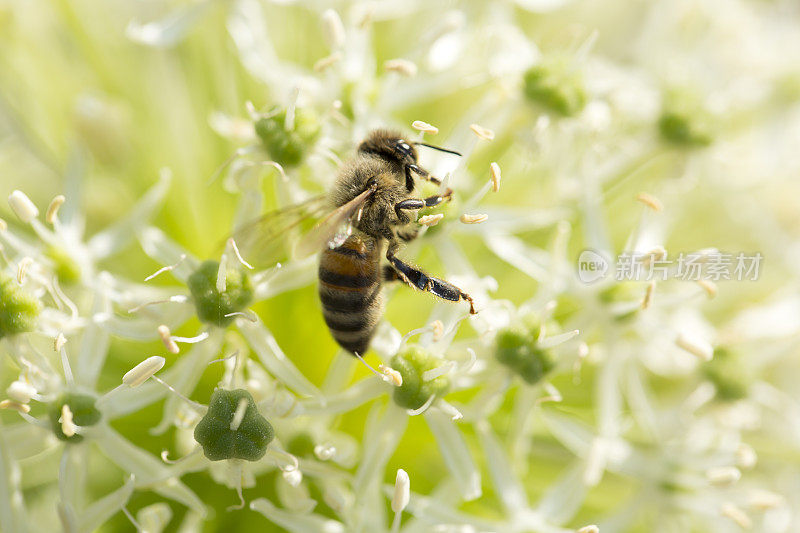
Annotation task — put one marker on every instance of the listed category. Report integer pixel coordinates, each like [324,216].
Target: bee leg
[421,203]
[390,274]
[422,173]
[408,234]
[420,280]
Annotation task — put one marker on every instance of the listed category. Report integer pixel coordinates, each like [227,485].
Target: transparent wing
[268,239]
[332,230]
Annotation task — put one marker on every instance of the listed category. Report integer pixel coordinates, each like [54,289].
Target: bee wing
[266,240]
[332,230]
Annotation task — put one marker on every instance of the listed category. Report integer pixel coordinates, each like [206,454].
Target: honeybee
[368,216]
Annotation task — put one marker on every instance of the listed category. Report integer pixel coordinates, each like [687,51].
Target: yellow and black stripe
[350,291]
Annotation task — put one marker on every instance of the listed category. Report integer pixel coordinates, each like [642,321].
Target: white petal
[273,358]
[192,366]
[155,517]
[342,402]
[381,436]
[455,453]
[563,498]
[72,475]
[289,277]
[12,507]
[296,523]
[531,261]
[95,515]
[505,483]
[576,437]
[183,375]
[95,341]
[148,470]
[165,251]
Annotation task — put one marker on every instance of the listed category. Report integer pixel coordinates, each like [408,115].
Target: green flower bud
[728,375]
[516,348]
[557,86]
[18,309]
[414,392]
[67,270]
[223,438]
[684,121]
[211,305]
[288,147]
[84,413]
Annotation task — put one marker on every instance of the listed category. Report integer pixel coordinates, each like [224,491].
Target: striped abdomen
[350,291]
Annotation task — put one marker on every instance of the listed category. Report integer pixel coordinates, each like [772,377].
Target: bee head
[390,146]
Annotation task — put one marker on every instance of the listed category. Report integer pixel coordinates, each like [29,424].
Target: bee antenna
[438,148]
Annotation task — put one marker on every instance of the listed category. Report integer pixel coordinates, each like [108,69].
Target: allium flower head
[611,188]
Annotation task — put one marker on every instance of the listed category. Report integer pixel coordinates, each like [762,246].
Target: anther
[723,475]
[68,427]
[21,391]
[648,295]
[430,220]
[736,514]
[21,408]
[22,269]
[481,132]
[438,330]
[166,338]
[650,201]
[424,127]
[324,451]
[333,29]
[494,173]
[143,371]
[402,491]
[327,62]
[22,206]
[59,342]
[52,209]
[474,219]
[709,287]
[401,66]
[390,375]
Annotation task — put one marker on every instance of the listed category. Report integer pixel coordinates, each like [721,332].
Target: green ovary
[556,86]
[517,348]
[18,309]
[414,392]
[684,121]
[84,413]
[67,270]
[248,441]
[728,374]
[211,305]
[288,147]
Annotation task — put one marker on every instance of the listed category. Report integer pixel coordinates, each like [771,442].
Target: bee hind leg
[414,277]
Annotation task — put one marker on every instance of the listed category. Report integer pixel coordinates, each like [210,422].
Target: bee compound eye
[403,147]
